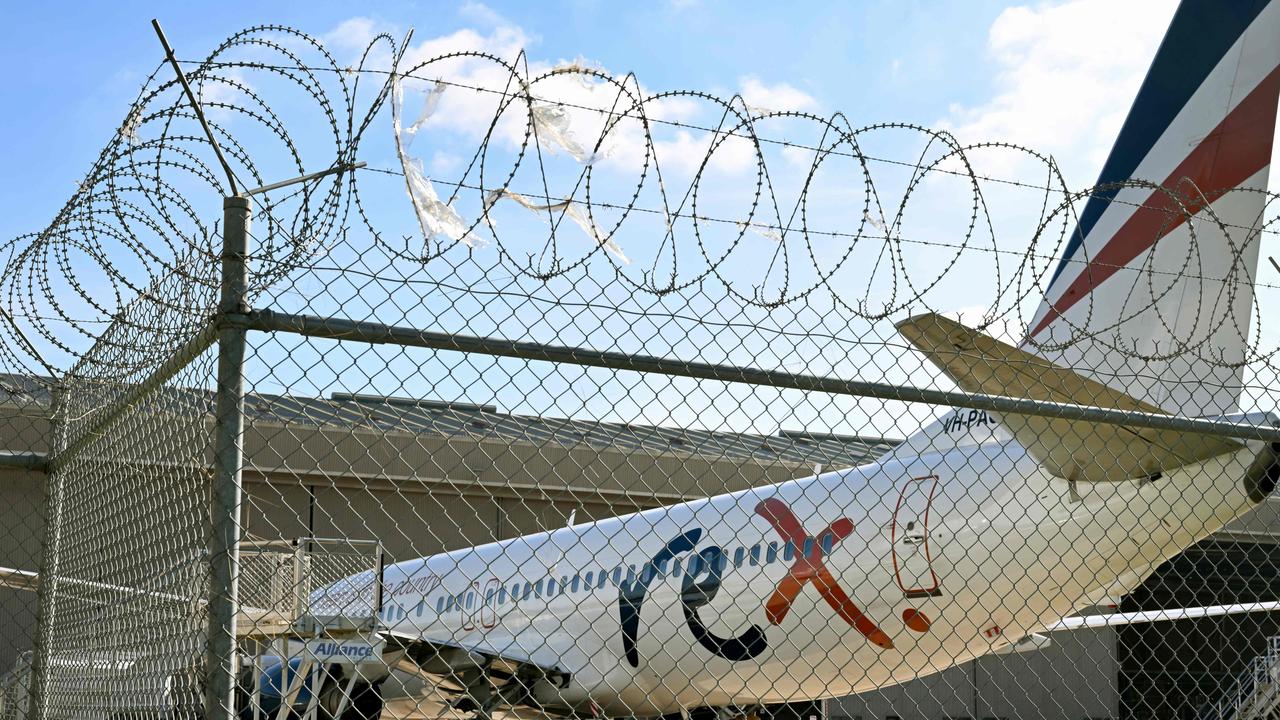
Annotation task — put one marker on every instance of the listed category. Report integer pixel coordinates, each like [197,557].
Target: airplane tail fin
[1154,291]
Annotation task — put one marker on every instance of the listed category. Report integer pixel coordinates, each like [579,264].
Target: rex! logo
[697,591]
[809,568]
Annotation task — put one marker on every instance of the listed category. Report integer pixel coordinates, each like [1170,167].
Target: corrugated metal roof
[485,422]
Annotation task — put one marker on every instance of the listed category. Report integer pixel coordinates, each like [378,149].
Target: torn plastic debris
[129,131]
[428,109]
[436,218]
[877,224]
[552,120]
[762,231]
[552,123]
[573,210]
[585,69]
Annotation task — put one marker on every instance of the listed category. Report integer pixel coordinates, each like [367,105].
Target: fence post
[224,555]
[46,592]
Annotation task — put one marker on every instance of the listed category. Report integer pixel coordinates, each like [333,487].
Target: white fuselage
[951,555]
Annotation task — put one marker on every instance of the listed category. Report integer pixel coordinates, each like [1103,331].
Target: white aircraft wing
[475,677]
[1147,616]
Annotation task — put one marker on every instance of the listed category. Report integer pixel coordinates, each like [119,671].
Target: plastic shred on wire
[553,123]
[429,107]
[436,217]
[571,209]
[129,131]
[764,232]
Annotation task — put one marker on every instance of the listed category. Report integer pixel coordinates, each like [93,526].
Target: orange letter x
[809,568]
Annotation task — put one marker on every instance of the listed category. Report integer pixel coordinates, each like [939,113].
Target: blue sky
[1057,76]
[83,62]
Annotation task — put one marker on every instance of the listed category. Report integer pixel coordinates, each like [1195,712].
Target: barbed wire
[137,242]
[761,139]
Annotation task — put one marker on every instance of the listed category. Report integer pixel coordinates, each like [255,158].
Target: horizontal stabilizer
[1072,449]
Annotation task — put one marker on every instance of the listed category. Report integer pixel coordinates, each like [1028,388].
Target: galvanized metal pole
[47,590]
[221,665]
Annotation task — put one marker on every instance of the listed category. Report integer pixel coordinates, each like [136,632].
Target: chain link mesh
[508,449]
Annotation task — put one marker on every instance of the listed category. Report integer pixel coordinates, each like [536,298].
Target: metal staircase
[1255,695]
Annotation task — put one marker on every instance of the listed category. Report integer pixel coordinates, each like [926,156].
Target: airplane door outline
[909,538]
[488,604]
[468,613]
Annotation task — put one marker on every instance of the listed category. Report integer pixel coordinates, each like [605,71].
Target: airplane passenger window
[739,556]
[587,581]
[755,555]
[537,589]
[577,580]
[771,555]
[601,578]
[695,565]
[788,551]
[502,595]
[440,605]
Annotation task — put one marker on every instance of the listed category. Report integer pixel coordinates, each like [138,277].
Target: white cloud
[778,97]
[353,34]
[480,13]
[1065,76]
[685,151]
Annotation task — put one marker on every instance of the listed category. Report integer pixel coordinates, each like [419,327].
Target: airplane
[977,535]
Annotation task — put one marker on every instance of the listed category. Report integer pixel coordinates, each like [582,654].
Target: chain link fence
[639,404]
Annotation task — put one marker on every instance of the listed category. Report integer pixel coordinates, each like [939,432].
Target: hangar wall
[24,427]
[21,540]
